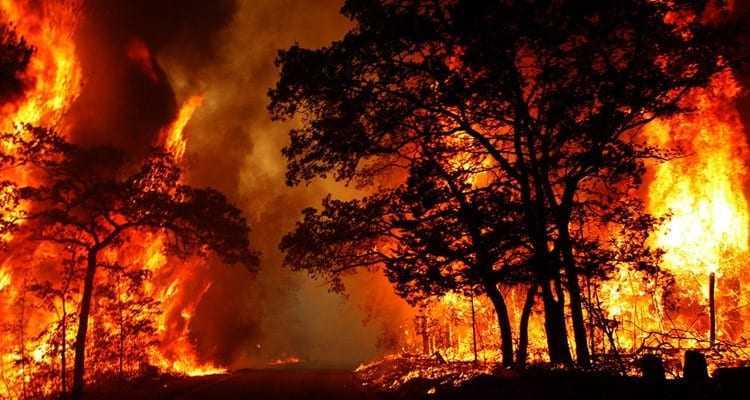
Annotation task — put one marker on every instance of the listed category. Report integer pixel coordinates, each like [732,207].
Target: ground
[541,383]
[244,384]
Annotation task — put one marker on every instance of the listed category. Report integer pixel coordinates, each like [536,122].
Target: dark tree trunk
[535,217]
[554,326]
[554,312]
[83,322]
[712,308]
[121,318]
[503,321]
[574,290]
[523,326]
[64,348]
[474,329]
[122,347]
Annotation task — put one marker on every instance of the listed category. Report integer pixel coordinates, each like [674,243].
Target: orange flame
[53,82]
[706,232]
[708,229]
[172,136]
[53,74]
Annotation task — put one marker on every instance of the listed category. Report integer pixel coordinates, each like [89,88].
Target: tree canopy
[549,96]
[90,199]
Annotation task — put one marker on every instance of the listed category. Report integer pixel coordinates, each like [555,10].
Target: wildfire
[4,279]
[182,293]
[285,361]
[172,136]
[702,194]
[54,74]
[708,229]
[52,82]
[706,232]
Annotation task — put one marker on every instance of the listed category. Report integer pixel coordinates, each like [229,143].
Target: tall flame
[704,191]
[702,194]
[707,232]
[172,136]
[53,74]
[53,81]
[178,289]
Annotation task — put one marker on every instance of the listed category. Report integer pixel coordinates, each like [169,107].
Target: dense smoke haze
[141,60]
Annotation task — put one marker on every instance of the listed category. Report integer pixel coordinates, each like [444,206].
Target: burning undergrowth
[392,372]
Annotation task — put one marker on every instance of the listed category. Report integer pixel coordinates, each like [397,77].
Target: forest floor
[288,384]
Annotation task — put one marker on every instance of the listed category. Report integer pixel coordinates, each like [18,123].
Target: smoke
[141,59]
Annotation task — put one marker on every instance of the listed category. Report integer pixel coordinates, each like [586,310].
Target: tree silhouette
[15,55]
[436,232]
[59,297]
[553,92]
[90,199]
[124,304]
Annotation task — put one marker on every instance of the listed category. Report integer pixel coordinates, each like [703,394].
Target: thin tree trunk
[523,326]
[583,357]
[122,347]
[83,322]
[474,328]
[22,340]
[63,345]
[590,314]
[712,308]
[503,320]
[122,328]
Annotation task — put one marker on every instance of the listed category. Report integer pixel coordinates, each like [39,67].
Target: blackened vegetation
[501,140]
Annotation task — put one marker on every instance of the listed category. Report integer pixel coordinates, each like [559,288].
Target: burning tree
[554,94]
[94,200]
[59,297]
